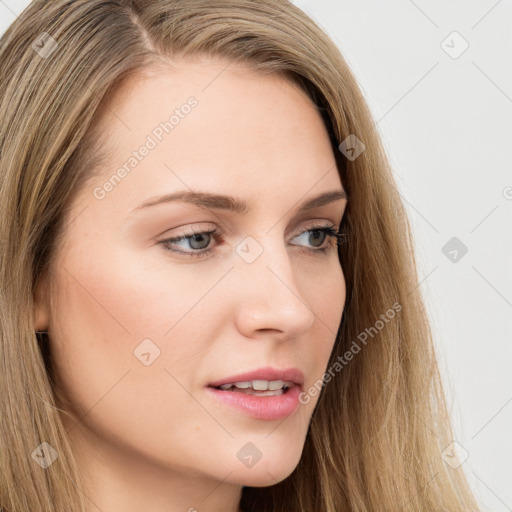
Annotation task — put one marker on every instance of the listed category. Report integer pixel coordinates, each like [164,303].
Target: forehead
[227,93]
[214,125]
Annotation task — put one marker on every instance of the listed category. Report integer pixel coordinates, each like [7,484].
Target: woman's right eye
[193,239]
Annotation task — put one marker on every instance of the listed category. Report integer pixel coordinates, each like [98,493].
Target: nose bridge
[266,263]
[271,297]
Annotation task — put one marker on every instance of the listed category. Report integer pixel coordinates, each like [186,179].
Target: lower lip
[272,407]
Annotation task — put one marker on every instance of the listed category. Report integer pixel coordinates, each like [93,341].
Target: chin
[264,473]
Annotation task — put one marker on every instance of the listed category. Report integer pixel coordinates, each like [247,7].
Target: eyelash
[329,230]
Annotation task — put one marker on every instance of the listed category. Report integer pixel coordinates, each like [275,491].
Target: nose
[269,298]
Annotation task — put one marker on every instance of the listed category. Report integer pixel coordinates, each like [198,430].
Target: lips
[259,407]
[268,373]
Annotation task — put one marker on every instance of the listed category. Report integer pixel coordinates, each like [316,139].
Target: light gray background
[447,125]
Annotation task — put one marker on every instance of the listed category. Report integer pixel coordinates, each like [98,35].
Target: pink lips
[262,407]
[267,373]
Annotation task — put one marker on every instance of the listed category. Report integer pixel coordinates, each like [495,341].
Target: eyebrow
[234,204]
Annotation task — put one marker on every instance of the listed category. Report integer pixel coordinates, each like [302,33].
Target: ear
[41,306]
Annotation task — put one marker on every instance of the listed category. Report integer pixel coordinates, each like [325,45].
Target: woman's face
[138,331]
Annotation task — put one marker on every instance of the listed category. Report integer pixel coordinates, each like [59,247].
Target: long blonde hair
[376,437]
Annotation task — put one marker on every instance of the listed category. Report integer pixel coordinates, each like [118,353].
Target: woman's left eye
[198,241]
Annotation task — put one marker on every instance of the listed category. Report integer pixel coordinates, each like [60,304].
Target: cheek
[109,320]
[131,314]
[327,300]
[121,296]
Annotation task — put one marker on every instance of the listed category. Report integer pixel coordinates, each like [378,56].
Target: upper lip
[268,373]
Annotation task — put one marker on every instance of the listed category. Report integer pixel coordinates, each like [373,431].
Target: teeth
[243,385]
[258,385]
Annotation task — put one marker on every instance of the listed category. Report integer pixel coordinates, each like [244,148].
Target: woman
[173,335]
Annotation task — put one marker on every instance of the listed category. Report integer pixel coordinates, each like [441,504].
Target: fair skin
[152,437]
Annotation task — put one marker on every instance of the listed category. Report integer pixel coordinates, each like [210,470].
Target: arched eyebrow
[234,204]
